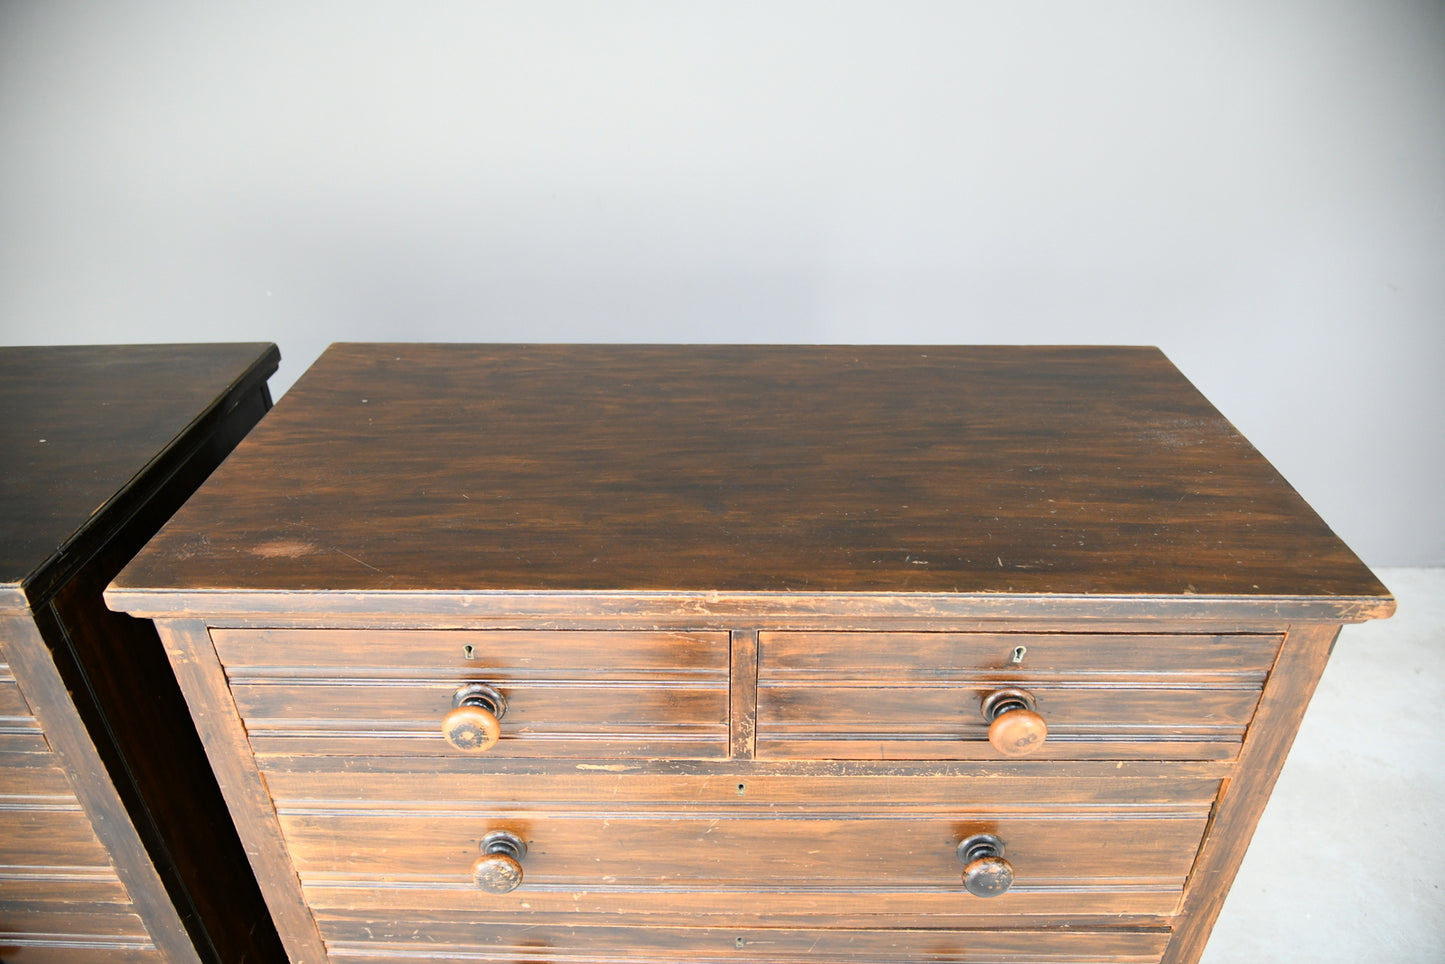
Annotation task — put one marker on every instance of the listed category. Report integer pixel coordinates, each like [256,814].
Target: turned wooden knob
[1014,726]
[985,872]
[499,869]
[474,724]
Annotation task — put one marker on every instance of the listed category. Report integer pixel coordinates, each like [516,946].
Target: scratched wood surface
[976,470]
[388,943]
[742,854]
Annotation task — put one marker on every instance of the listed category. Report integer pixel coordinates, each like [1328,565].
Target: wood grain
[955,470]
[80,424]
[944,656]
[944,721]
[568,694]
[1296,674]
[744,604]
[505,656]
[668,945]
[725,852]
[188,646]
[103,809]
[743,695]
[1083,907]
[457,784]
[43,949]
[775,946]
[98,447]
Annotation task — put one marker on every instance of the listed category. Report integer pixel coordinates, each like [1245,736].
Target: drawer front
[1059,850]
[354,937]
[608,844]
[73,932]
[568,694]
[922,695]
[19,730]
[55,838]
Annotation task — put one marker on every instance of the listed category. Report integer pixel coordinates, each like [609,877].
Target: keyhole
[1018,655]
[469,651]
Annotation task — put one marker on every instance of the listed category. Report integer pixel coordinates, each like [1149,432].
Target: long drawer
[73,931]
[1094,841]
[357,937]
[569,694]
[921,695]
[1057,849]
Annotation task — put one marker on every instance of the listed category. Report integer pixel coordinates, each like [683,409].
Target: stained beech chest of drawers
[734,654]
[115,842]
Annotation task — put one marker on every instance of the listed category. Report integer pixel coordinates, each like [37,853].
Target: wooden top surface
[450,469]
[78,424]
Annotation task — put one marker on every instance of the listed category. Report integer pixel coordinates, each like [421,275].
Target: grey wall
[1259,188]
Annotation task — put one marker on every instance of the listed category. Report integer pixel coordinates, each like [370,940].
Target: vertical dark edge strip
[218,720]
[44,690]
[1242,800]
[743,694]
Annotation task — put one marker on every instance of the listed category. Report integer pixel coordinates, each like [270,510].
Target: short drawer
[53,839]
[74,932]
[19,730]
[568,694]
[923,695]
[357,937]
[34,781]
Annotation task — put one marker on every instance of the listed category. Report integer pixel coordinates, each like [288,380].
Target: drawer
[568,694]
[922,695]
[19,730]
[34,780]
[51,840]
[12,703]
[355,937]
[606,844]
[1061,851]
[73,932]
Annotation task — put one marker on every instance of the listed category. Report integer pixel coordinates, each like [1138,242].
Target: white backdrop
[1258,188]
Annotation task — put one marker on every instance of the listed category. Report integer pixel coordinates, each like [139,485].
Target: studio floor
[1348,862]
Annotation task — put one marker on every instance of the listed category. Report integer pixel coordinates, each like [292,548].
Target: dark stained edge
[47,694]
[92,533]
[702,607]
[13,601]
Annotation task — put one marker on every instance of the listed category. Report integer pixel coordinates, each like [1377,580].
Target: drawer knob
[985,872]
[474,723]
[1014,726]
[499,869]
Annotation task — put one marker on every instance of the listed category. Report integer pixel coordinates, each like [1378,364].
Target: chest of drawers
[645,654]
[115,842]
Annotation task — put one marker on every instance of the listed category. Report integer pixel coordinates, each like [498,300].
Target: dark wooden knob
[985,872]
[499,869]
[1015,727]
[474,724]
